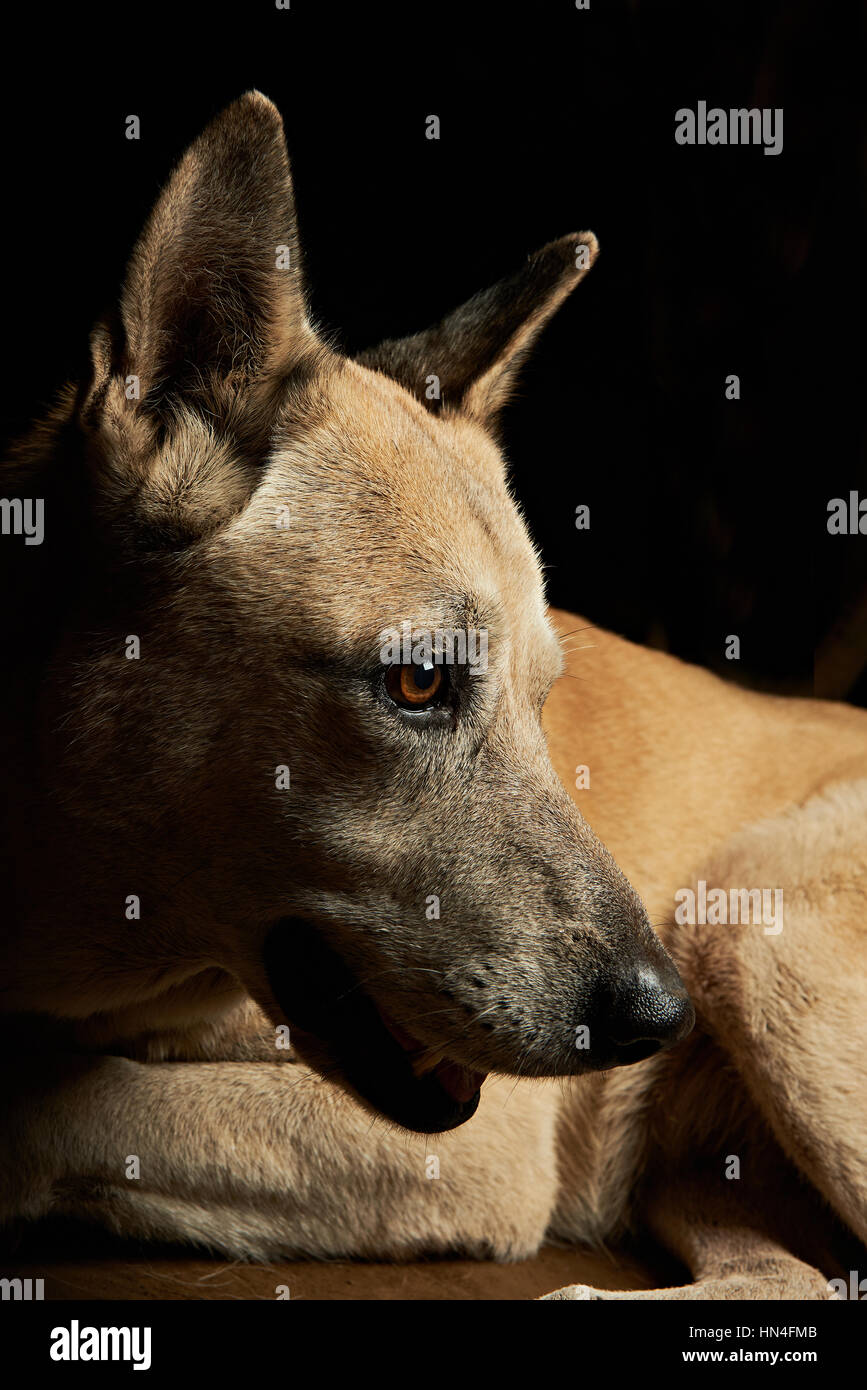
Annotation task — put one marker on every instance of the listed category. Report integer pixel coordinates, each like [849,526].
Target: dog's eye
[416,686]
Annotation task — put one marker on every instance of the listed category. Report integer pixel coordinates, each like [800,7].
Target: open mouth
[379,1059]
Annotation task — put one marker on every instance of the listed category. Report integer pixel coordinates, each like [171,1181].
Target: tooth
[426,1061]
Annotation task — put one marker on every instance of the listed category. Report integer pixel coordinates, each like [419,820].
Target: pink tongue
[460,1082]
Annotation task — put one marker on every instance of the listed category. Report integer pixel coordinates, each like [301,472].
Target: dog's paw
[572,1291]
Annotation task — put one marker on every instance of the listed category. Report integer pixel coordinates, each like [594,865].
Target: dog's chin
[339,1030]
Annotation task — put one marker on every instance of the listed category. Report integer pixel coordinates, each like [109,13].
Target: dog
[264,882]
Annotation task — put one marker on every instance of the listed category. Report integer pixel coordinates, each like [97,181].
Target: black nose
[643,1011]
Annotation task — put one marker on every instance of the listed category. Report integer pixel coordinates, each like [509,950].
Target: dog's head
[369,835]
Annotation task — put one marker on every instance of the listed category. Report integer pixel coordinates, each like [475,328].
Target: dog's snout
[652,1007]
[643,1009]
[648,1010]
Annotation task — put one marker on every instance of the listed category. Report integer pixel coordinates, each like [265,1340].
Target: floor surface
[78,1263]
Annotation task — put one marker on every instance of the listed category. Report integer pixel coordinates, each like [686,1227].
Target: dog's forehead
[370,498]
[380,435]
[375,462]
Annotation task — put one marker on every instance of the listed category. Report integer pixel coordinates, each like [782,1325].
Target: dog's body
[260,900]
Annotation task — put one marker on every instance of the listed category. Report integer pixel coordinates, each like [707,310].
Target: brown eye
[414,686]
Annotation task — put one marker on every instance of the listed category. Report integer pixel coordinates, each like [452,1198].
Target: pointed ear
[475,352]
[213,296]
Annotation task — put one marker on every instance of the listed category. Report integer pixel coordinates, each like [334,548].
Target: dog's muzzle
[634,1008]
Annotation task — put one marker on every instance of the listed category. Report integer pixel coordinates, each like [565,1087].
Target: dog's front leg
[770,1272]
[725,1244]
[259,1160]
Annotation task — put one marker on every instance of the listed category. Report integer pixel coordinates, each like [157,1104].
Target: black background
[708,517]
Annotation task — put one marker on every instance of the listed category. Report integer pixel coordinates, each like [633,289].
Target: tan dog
[229,812]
